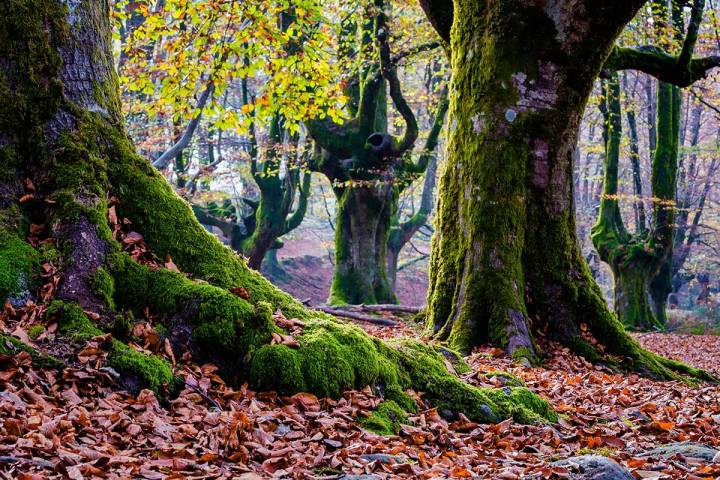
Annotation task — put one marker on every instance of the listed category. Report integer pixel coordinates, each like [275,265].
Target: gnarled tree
[505,260]
[367,166]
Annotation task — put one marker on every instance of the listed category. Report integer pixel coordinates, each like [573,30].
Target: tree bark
[361,236]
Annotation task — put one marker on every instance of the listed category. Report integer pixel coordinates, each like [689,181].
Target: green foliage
[222,43]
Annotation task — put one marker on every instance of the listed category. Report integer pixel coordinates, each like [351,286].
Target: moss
[386,420]
[333,357]
[604,451]
[147,370]
[72,321]
[19,263]
[150,371]
[223,323]
[396,394]
[35,331]
[11,346]
[103,285]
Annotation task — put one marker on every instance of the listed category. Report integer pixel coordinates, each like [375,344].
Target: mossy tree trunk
[366,164]
[505,259]
[635,259]
[60,127]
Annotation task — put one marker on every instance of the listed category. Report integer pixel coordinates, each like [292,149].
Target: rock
[333,443]
[594,467]
[384,458]
[686,449]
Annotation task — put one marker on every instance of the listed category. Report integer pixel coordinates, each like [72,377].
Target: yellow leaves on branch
[177,48]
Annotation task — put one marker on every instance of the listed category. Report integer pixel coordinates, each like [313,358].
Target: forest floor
[74,425]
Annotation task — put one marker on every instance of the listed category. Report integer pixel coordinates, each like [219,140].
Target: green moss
[11,346]
[386,420]
[151,371]
[72,321]
[223,323]
[35,331]
[103,285]
[333,357]
[19,263]
[604,451]
[396,394]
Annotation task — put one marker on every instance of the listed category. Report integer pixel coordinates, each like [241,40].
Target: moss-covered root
[136,370]
[624,352]
[333,357]
[12,346]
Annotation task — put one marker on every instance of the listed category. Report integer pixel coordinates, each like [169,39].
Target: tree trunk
[631,297]
[61,130]
[505,260]
[361,238]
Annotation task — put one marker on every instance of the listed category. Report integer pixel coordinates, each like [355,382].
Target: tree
[505,261]
[642,263]
[367,166]
[61,132]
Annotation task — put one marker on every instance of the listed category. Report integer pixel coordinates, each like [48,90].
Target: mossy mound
[12,346]
[334,356]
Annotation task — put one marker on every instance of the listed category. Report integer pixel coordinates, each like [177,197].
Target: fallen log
[357,316]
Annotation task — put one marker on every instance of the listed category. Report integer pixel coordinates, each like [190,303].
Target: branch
[692,34]
[164,160]
[357,316]
[424,47]
[660,65]
[434,135]
[440,13]
[390,73]
[296,218]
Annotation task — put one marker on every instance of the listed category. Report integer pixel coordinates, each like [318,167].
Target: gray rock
[686,449]
[594,467]
[383,458]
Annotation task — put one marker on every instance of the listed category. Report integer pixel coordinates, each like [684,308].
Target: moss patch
[138,369]
[19,263]
[11,346]
[103,285]
[386,420]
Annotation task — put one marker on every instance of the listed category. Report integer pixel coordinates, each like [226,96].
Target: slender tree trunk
[362,229]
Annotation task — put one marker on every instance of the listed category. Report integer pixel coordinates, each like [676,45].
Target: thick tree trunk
[506,250]
[361,238]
